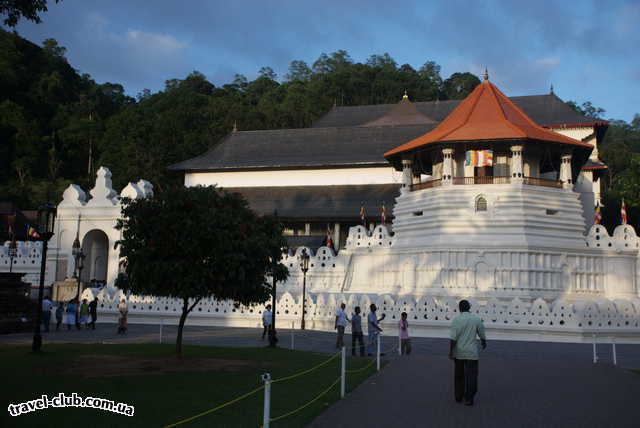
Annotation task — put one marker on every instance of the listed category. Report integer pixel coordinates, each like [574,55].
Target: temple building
[484,203]
[318,179]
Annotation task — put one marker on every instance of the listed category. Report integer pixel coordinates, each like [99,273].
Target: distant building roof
[486,115]
[354,136]
[321,202]
[545,110]
[303,148]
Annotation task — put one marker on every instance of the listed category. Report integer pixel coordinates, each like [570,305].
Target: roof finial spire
[405,96]
[235,126]
[551,90]
[485,76]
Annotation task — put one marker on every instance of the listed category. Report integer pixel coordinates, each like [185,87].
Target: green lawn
[165,396]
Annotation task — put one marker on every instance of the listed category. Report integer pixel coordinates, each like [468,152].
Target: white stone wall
[295,177]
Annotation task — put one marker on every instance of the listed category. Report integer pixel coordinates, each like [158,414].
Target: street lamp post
[78,255]
[304,266]
[46,221]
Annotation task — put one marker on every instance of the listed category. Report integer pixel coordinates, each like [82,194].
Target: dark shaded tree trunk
[183,318]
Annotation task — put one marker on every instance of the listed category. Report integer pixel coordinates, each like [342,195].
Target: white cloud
[155,41]
[549,62]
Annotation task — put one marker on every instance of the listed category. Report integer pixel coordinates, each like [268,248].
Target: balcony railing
[531,181]
[426,185]
[481,180]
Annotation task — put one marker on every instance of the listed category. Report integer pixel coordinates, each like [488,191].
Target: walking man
[463,350]
[47,305]
[373,328]
[93,311]
[340,325]
[356,332]
[266,320]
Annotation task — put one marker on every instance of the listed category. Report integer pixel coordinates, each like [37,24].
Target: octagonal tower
[488,176]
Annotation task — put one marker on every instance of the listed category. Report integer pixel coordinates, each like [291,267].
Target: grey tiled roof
[321,202]
[352,136]
[308,147]
[543,109]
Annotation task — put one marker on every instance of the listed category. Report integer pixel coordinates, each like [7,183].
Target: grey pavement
[521,384]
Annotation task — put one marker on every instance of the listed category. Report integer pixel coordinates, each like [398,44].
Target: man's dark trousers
[354,338]
[466,379]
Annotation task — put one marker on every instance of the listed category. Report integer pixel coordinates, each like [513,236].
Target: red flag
[383,214]
[623,213]
[363,218]
[329,241]
[32,233]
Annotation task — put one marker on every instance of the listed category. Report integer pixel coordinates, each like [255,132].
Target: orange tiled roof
[486,114]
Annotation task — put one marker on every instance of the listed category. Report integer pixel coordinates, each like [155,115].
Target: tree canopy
[14,10]
[193,243]
[57,125]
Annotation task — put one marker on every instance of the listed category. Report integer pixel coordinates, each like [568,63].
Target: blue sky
[588,50]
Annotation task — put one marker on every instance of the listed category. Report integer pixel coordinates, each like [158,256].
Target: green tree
[459,85]
[193,243]
[13,10]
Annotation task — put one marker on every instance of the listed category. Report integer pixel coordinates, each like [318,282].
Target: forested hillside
[57,125]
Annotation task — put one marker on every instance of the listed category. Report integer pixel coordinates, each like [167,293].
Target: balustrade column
[565,171]
[447,166]
[407,173]
[516,164]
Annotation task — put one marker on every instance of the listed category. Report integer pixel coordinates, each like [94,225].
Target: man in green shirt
[463,350]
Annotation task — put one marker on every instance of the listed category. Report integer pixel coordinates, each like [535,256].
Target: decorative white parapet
[429,316]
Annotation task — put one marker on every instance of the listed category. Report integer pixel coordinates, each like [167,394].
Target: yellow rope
[307,404]
[362,368]
[293,376]
[235,400]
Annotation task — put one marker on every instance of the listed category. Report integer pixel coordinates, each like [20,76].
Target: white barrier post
[613,349]
[292,327]
[343,372]
[595,355]
[266,415]
[161,323]
[378,339]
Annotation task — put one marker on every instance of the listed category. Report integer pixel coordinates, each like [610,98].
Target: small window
[417,213]
[481,204]
[552,212]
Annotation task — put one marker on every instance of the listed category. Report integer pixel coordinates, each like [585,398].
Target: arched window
[481,204]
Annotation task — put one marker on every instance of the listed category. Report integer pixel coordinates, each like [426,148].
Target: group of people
[75,315]
[463,345]
[78,315]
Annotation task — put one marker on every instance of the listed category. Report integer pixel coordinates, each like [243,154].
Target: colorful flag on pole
[479,158]
[32,233]
[329,241]
[598,217]
[363,218]
[383,214]
[623,213]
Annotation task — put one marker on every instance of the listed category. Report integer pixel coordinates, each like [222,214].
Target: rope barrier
[302,373]
[215,409]
[286,415]
[362,368]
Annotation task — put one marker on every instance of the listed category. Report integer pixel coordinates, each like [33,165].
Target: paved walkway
[417,391]
[522,384]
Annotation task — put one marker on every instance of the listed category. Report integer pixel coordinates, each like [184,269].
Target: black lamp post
[13,252]
[79,256]
[46,221]
[304,266]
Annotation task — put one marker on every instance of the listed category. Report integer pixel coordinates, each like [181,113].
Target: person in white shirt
[341,323]
[267,317]
[47,305]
